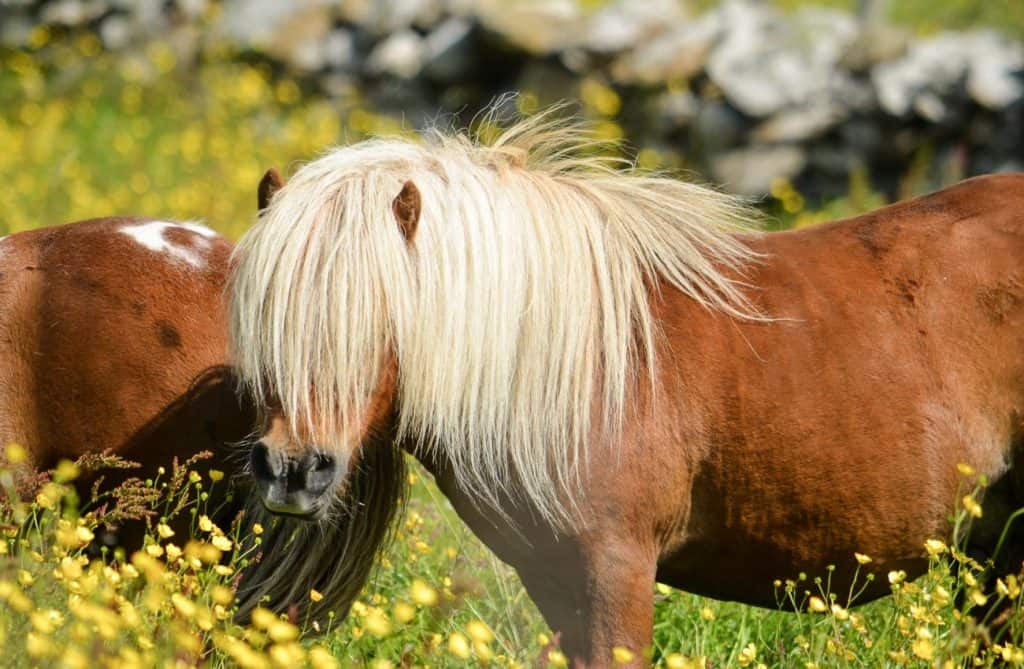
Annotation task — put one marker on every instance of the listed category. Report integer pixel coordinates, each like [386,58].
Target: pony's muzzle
[299,486]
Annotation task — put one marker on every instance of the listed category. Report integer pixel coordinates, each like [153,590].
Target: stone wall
[742,93]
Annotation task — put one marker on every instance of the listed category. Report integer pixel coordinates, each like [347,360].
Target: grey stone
[536,27]
[993,78]
[934,68]
[400,55]
[679,53]
[765,63]
[395,15]
[339,49]
[72,12]
[15,31]
[274,25]
[448,50]
[677,109]
[115,31]
[750,171]
[718,127]
[623,24]
[799,124]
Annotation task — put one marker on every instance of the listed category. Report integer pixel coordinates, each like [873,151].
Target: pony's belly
[758,575]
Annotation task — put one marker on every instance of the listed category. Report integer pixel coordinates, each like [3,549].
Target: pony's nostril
[264,465]
[323,462]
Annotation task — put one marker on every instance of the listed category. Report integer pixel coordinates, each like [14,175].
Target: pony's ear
[269,184]
[406,207]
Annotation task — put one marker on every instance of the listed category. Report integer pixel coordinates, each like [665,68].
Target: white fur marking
[151,235]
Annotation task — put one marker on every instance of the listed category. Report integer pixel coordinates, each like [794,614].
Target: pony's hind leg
[601,609]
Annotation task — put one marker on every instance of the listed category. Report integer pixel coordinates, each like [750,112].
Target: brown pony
[114,339]
[613,385]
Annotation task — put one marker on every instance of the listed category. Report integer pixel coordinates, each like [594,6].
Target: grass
[438,599]
[87,135]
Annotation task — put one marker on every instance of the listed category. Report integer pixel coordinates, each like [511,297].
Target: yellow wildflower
[478,630]
[281,631]
[377,623]
[923,648]
[622,655]
[972,506]
[320,658]
[423,594]
[16,454]
[458,645]
[404,612]
[747,655]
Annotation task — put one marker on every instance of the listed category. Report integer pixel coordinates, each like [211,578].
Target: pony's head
[296,462]
[487,305]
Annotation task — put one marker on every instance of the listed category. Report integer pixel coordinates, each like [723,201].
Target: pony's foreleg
[602,607]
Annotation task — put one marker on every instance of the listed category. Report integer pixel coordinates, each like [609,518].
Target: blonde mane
[518,314]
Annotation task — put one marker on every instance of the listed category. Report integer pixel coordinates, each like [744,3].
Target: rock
[274,26]
[718,127]
[536,27]
[577,60]
[679,53]
[400,55]
[676,109]
[384,18]
[623,24]
[995,78]
[72,12]
[149,15]
[194,9]
[936,68]
[339,49]
[875,44]
[765,63]
[750,171]
[799,124]
[448,50]
[115,32]
[15,31]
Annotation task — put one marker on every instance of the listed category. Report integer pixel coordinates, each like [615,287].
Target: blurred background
[174,108]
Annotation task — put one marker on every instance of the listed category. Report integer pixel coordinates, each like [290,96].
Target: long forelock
[518,313]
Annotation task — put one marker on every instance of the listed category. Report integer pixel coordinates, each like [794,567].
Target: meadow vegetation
[85,134]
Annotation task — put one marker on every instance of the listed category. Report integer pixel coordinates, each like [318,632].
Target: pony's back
[112,338]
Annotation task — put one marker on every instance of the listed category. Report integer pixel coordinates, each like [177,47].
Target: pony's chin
[315,513]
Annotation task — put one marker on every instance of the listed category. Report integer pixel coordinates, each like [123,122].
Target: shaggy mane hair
[518,312]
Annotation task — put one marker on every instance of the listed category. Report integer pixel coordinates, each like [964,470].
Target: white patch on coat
[151,235]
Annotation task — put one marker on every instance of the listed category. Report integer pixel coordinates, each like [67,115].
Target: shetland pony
[615,383]
[113,338]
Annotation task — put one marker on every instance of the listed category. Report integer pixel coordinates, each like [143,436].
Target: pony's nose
[266,465]
[295,486]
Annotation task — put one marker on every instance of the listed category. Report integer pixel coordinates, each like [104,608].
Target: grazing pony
[614,383]
[113,338]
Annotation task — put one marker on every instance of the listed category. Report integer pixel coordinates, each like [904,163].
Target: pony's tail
[333,557]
